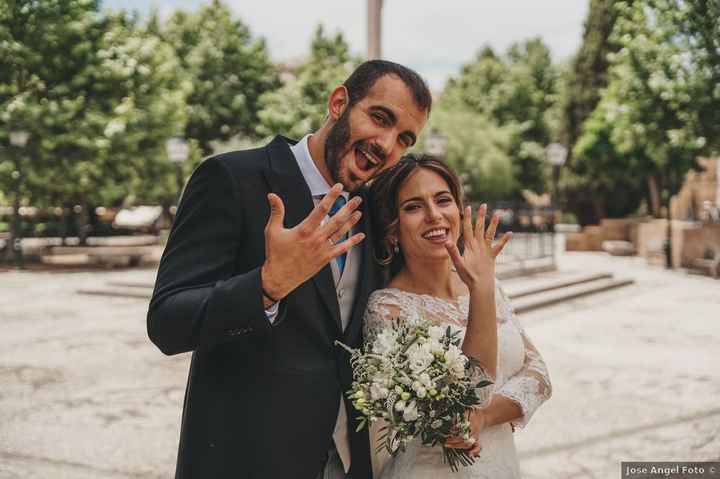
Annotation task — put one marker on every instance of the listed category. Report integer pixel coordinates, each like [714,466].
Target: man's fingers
[277,211]
[323,208]
[497,249]
[344,246]
[340,218]
[346,227]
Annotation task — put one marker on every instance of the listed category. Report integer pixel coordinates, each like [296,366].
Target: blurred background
[593,126]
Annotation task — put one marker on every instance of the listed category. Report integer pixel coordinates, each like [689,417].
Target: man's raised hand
[294,255]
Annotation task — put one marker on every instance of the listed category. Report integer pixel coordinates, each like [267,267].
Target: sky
[433,37]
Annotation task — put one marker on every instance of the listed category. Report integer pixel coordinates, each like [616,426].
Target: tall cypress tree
[588,74]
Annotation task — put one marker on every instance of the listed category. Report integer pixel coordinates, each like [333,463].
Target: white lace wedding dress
[521,376]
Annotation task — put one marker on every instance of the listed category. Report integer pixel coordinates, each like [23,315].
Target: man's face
[373,134]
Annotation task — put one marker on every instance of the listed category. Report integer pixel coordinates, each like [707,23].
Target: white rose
[410,413]
[425,380]
[385,342]
[436,332]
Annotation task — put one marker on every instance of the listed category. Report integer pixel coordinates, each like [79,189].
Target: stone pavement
[635,371]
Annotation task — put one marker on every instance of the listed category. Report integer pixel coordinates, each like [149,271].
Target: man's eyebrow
[393,119]
[417,198]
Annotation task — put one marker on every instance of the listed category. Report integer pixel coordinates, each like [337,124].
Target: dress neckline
[457,300]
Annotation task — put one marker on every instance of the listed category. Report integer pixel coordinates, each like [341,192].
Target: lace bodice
[521,375]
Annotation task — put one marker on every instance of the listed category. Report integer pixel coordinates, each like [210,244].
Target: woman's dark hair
[361,80]
[383,197]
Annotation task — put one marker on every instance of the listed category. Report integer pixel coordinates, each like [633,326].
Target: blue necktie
[339,203]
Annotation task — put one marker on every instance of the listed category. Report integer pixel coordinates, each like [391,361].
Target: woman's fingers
[455,255]
[498,247]
[490,234]
[467,226]
[480,222]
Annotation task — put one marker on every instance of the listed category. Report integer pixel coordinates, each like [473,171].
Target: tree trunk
[84,226]
[654,196]
[14,234]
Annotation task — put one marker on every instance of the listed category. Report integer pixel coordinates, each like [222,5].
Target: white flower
[455,360]
[400,405]
[436,332]
[419,357]
[410,413]
[419,389]
[378,391]
[425,380]
[385,342]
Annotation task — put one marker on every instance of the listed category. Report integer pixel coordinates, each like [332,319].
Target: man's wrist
[271,293]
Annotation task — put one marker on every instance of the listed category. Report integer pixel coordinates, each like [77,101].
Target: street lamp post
[18,139]
[178,152]
[556,156]
[436,143]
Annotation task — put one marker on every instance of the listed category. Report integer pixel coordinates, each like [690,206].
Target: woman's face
[428,216]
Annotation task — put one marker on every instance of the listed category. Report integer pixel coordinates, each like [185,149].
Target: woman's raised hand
[476,264]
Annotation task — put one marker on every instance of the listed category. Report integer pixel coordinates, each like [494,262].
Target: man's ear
[338,101]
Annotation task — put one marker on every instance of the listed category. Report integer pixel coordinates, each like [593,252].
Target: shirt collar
[315,181]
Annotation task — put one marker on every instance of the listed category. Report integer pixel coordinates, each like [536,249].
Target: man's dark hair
[364,77]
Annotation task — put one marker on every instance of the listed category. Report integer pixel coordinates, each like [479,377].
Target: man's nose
[386,142]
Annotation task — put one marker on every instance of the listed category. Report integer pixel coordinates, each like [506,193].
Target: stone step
[542,285]
[132,284]
[556,296]
[117,292]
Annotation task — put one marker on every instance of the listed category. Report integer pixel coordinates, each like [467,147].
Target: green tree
[99,98]
[587,75]
[519,93]
[651,122]
[300,105]
[226,70]
[476,148]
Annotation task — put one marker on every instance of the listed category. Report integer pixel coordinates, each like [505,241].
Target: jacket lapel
[287,182]
[365,284]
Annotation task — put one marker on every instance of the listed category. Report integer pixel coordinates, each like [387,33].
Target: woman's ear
[337,102]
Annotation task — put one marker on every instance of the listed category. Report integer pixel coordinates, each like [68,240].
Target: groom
[266,266]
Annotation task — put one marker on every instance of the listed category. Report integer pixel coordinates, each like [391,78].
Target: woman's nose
[433,214]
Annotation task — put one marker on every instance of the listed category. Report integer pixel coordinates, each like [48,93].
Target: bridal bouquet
[413,375]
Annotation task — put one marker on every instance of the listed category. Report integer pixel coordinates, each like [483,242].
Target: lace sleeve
[530,386]
[383,306]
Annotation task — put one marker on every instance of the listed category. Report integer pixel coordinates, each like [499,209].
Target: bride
[417,207]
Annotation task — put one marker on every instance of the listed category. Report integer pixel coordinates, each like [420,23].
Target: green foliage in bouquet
[414,376]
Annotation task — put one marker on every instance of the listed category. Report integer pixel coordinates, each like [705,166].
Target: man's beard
[337,141]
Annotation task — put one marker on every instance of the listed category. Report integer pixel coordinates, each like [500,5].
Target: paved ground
[636,376]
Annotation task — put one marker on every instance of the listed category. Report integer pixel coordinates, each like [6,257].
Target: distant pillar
[717,183]
[374,26]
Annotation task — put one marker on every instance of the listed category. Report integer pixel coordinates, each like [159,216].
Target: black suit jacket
[261,399]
